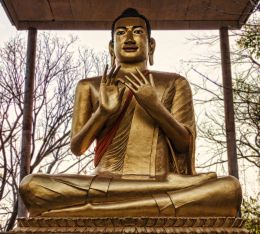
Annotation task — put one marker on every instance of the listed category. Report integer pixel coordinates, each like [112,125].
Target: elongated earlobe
[151,51]
[151,59]
[112,54]
[113,59]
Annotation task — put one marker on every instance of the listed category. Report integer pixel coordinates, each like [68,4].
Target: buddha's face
[131,44]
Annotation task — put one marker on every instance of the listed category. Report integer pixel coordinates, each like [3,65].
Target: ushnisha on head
[131,39]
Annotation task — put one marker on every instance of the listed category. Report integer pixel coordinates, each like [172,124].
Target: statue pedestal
[207,225]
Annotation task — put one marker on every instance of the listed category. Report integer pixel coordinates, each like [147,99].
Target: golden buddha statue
[144,126]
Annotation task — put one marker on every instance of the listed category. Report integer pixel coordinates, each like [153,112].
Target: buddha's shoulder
[89,82]
[160,75]
[167,76]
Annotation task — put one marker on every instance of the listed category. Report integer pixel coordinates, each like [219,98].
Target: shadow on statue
[144,127]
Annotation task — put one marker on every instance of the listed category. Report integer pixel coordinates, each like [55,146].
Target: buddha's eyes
[138,31]
[120,32]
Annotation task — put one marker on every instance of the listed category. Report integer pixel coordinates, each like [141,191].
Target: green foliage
[250,40]
[251,212]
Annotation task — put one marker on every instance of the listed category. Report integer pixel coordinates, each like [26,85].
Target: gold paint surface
[148,168]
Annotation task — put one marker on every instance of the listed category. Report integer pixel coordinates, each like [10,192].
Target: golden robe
[140,149]
[138,168]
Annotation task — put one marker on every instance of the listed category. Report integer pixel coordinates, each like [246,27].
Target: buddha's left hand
[142,88]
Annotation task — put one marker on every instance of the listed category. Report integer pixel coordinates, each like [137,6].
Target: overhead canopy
[99,14]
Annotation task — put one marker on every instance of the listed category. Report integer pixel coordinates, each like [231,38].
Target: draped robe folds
[138,168]
[139,149]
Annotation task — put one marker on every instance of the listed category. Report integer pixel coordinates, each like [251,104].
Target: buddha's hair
[131,12]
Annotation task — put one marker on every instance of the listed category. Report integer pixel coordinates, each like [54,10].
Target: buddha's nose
[129,38]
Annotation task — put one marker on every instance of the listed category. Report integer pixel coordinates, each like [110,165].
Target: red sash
[105,141]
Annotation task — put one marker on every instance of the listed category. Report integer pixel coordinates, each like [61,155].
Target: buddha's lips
[130,48]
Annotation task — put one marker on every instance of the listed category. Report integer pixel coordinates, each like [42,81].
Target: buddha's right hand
[110,96]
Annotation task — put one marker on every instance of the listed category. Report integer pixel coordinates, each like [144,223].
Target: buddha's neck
[131,67]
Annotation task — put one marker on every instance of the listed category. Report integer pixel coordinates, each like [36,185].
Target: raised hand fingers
[136,78]
[116,71]
[109,76]
[113,78]
[111,71]
[129,86]
[136,81]
[133,84]
[151,80]
[142,76]
[104,77]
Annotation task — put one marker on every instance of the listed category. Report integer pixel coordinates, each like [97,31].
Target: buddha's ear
[152,45]
[112,53]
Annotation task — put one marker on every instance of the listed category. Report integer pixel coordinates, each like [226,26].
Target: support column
[27,113]
[228,103]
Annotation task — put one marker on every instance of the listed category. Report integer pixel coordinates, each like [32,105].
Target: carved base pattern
[74,225]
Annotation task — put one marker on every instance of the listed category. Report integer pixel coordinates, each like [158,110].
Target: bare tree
[246,80]
[209,97]
[58,69]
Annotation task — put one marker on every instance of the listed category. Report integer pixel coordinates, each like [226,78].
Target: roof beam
[106,25]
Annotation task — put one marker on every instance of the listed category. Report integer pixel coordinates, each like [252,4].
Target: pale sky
[172,52]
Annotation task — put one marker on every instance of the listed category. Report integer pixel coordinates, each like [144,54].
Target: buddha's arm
[176,132]
[146,96]
[86,124]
